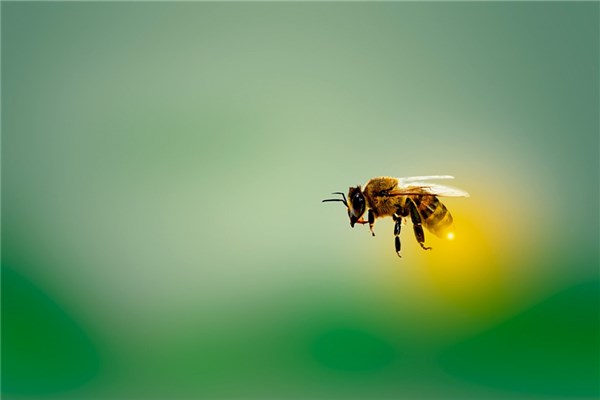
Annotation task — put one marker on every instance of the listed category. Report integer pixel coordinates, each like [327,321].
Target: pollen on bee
[450,235]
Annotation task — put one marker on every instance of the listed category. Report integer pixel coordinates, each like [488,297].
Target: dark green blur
[552,348]
[43,349]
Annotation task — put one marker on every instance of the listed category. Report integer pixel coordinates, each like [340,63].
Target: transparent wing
[440,190]
[415,185]
[407,180]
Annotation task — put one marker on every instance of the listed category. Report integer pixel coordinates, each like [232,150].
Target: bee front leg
[371,216]
[417,227]
[397,226]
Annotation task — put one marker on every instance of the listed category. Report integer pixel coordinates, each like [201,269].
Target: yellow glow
[465,269]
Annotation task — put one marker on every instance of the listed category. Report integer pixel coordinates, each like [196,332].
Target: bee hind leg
[420,235]
[417,227]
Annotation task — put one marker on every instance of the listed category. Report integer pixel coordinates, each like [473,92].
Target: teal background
[163,166]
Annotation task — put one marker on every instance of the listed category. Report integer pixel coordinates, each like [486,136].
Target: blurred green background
[163,166]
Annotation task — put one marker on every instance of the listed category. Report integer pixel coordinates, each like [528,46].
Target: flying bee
[402,198]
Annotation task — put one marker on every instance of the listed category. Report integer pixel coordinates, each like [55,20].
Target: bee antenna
[346,204]
[343,201]
[343,195]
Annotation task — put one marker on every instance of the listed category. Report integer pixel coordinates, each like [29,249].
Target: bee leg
[371,221]
[417,227]
[397,226]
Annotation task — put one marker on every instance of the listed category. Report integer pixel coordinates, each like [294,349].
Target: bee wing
[409,186]
[410,179]
[442,190]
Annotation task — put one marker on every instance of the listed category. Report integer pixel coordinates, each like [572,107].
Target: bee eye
[358,204]
[357,200]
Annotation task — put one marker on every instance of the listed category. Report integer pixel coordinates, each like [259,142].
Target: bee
[401,198]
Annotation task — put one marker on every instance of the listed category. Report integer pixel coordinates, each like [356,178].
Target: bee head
[356,204]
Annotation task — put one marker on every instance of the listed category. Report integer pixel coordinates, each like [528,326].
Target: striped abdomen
[434,215]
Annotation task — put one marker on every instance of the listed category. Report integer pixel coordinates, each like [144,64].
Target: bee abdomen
[434,215]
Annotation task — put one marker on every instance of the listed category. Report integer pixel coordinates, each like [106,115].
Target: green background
[163,166]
